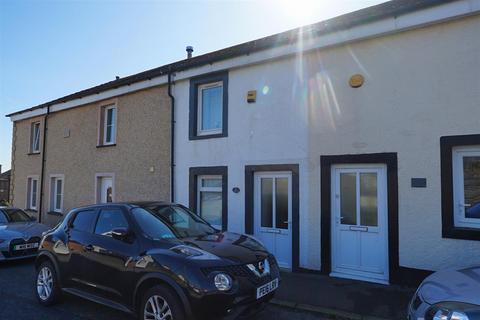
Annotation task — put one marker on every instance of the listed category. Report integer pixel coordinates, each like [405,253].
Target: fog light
[223,282]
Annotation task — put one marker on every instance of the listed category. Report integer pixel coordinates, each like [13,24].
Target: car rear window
[84,221]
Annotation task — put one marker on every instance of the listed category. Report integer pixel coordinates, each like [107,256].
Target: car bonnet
[461,285]
[21,230]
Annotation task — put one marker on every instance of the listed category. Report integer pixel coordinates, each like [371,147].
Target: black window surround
[193,188]
[449,230]
[390,159]
[193,116]
[249,204]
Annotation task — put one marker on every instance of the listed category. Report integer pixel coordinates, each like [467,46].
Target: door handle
[88,248]
[465,205]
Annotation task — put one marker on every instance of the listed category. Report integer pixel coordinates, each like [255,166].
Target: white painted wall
[420,84]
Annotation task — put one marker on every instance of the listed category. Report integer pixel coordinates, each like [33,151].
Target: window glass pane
[281,203]
[266,202]
[109,117]
[212,108]
[368,199]
[84,221]
[212,183]
[36,137]
[34,193]
[211,207]
[58,200]
[109,220]
[348,198]
[471,184]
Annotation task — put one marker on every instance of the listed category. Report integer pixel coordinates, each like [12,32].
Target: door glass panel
[368,199]
[211,207]
[348,198]
[281,203]
[266,202]
[212,182]
[471,184]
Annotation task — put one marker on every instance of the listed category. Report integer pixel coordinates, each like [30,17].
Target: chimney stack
[189,51]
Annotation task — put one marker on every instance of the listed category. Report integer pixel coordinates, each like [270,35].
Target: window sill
[462,233]
[33,153]
[55,213]
[106,145]
[208,136]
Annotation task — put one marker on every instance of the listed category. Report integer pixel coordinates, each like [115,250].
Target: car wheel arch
[47,256]
[150,280]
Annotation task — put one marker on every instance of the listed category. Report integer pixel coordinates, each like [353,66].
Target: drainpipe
[172,138]
[44,147]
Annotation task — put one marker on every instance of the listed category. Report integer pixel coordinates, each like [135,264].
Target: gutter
[42,174]
[172,138]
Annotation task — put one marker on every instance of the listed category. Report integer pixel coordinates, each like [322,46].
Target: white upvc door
[273,214]
[106,190]
[359,222]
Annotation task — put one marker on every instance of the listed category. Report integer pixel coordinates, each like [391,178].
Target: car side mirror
[121,234]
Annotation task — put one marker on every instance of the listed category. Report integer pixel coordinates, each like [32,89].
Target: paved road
[18,302]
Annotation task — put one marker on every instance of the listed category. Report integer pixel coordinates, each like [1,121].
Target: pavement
[343,298]
[18,302]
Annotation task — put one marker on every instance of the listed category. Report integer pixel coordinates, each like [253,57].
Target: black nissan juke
[155,260]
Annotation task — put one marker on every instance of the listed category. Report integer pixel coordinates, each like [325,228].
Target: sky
[49,49]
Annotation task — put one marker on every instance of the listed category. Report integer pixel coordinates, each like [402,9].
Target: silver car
[20,235]
[448,295]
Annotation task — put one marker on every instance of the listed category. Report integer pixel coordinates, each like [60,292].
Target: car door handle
[88,248]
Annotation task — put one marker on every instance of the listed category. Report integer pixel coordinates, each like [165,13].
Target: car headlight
[194,253]
[448,311]
[223,282]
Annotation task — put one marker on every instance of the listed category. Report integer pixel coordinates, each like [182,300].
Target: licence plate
[25,246]
[267,288]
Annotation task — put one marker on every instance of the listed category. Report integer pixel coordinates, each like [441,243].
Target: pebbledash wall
[139,161]
[420,85]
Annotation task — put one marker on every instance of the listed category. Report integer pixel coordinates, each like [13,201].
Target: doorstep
[343,298]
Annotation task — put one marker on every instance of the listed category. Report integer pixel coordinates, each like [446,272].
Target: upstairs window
[108,129]
[35,138]
[209,106]
[56,193]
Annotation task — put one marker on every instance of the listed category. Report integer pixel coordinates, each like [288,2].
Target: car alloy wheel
[44,283]
[157,308]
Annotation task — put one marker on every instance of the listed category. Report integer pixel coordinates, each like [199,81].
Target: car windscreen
[164,221]
[16,215]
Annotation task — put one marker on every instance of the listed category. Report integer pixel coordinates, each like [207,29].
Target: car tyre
[47,288]
[160,302]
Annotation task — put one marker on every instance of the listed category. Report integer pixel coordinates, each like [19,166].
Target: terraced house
[83,151]
[350,147]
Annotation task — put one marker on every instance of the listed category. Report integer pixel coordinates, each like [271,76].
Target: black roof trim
[343,22]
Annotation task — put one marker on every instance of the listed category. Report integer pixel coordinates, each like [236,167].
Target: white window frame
[201,189]
[200,89]
[54,178]
[458,186]
[105,110]
[29,192]
[35,148]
